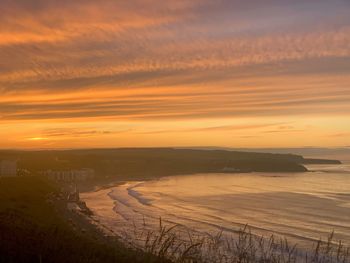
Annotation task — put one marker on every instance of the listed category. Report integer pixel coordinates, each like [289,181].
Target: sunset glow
[232,73]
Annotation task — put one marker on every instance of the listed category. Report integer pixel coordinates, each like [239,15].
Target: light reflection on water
[300,206]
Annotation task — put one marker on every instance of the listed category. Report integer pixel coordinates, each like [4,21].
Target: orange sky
[181,73]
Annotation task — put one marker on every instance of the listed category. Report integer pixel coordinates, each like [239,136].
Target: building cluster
[70,175]
[8,168]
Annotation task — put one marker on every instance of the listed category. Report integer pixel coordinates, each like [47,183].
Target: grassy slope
[31,229]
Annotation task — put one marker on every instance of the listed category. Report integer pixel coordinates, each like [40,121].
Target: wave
[139,197]
[220,223]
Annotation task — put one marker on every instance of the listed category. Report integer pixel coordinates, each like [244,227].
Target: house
[8,168]
[70,175]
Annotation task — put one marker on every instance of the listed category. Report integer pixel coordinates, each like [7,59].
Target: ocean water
[303,207]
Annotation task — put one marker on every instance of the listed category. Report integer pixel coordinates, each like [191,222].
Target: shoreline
[126,239]
[84,223]
[117,234]
[125,195]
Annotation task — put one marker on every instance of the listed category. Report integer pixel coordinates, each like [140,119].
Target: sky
[145,73]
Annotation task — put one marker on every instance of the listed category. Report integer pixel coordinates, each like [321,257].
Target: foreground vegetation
[32,229]
[181,245]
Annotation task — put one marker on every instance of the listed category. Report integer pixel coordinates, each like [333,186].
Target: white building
[8,168]
[70,175]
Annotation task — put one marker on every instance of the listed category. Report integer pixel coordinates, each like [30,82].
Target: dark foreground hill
[32,229]
[155,162]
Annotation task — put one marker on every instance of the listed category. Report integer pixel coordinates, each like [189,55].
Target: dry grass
[179,245]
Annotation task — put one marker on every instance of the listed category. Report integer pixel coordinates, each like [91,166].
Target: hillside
[34,230]
[155,162]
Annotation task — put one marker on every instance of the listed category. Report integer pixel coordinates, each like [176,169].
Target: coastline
[93,196]
[106,191]
[107,188]
[126,196]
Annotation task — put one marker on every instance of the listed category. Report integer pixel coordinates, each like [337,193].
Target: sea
[301,207]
